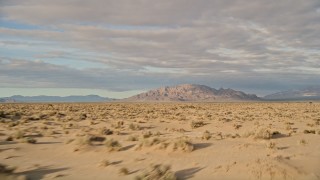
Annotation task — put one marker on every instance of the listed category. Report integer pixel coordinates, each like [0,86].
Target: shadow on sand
[188,173]
[40,172]
[201,145]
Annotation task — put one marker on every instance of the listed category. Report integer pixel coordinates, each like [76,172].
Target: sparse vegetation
[271,145]
[196,124]
[123,171]
[113,145]
[105,163]
[206,135]
[158,171]
[161,132]
[183,144]
[29,140]
[302,142]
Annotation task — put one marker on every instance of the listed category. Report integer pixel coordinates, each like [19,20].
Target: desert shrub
[2,114]
[133,138]
[18,134]
[29,140]
[9,138]
[151,142]
[123,171]
[271,145]
[105,163]
[6,169]
[196,124]
[97,138]
[159,171]
[262,133]
[13,124]
[302,142]
[154,142]
[7,173]
[106,131]
[113,145]
[84,141]
[237,126]
[83,116]
[206,135]
[134,127]
[183,144]
[309,131]
[118,125]
[147,134]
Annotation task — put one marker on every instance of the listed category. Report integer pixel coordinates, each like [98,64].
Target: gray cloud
[246,44]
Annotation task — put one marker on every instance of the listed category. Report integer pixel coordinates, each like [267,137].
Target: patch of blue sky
[16,25]
[23,26]
[16,53]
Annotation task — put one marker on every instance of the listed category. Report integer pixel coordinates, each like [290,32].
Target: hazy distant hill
[192,92]
[89,98]
[6,100]
[311,93]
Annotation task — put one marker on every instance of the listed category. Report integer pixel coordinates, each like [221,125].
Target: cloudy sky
[117,48]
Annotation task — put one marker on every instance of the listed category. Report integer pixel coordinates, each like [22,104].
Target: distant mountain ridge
[192,92]
[310,93]
[88,98]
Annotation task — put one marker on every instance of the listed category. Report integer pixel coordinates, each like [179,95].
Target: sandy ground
[125,140]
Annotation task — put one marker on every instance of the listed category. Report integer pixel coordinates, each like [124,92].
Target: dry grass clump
[29,140]
[84,141]
[196,124]
[134,127]
[106,131]
[183,144]
[206,135]
[262,133]
[180,130]
[89,140]
[302,142]
[237,126]
[118,125]
[104,163]
[161,172]
[147,134]
[123,171]
[7,173]
[19,134]
[271,145]
[94,138]
[133,138]
[113,145]
[6,169]
[148,143]
[309,131]
[3,114]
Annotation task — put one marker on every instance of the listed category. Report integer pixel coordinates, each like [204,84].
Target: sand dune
[160,140]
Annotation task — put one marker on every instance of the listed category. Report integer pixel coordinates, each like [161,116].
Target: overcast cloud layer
[254,45]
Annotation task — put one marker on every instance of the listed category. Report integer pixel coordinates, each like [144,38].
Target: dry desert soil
[160,141]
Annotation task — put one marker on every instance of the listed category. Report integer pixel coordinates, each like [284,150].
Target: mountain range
[310,93]
[192,92]
[182,92]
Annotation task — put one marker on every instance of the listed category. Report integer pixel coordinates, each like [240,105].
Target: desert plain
[243,140]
